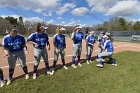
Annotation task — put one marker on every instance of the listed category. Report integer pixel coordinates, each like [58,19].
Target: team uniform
[15,46]
[60,44]
[101,42]
[77,40]
[40,50]
[90,40]
[109,50]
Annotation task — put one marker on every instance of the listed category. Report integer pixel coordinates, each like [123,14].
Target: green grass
[125,78]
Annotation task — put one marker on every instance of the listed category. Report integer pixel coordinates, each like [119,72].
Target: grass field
[124,78]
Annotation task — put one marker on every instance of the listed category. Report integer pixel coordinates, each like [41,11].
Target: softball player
[39,39]
[77,37]
[108,51]
[59,42]
[14,46]
[90,40]
[1,75]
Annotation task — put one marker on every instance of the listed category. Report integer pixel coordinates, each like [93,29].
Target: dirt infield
[119,47]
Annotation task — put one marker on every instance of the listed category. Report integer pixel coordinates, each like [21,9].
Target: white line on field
[65,56]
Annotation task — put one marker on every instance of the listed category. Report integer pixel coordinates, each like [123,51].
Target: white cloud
[65,8]
[15,16]
[125,8]
[35,5]
[80,11]
[51,21]
[30,19]
[33,19]
[59,18]
[115,7]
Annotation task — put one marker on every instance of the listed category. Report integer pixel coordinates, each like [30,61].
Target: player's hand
[26,52]
[49,48]
[36,45]
[7,55]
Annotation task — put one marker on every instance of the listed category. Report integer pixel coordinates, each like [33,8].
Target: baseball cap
[62,29]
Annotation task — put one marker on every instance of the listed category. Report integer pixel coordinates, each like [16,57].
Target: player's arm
[54,42]
[72,36]
[5,48]
[30,40]
[48,44]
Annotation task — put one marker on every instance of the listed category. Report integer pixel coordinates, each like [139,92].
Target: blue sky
[71,12]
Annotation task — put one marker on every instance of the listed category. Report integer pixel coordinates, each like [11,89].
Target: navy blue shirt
[59,40]
[40,39]
[14,44]
[78,36]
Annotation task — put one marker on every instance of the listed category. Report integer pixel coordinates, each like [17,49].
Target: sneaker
[100,65]
[34,76]
[65,67]
[87,62]
[27,76]
[8,82]
[99,60]
[79,64]
[73,65]
[2,83]
[48,72]
[90,61]
[114,64]
[52,72]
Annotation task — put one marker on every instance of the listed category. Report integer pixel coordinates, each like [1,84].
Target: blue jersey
[78,36]
[102,40]
[14,44]
[90,40]
[108,46]
[59,40]
[40,39]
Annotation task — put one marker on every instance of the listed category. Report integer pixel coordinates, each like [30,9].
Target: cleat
[52,72]
[27,76]
[48,72]
[2,83]
[34,76]
[99,60]
[100,65]
[8,82]
[90,61]
[114,65]
[65,67]
[79,64]
[73,65]
[87,62]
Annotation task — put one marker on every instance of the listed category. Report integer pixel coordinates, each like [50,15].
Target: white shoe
[2,83]
[52,72]
[90,61]
[99,60]
[87,62]
[27,76]
[48,72]
[114,65]
[100,65]
[8,82]
[79,64]
[73,65]
[34,76]
[65,67]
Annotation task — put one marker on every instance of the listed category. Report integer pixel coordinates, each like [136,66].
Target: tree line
[113,24]
[118,24]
